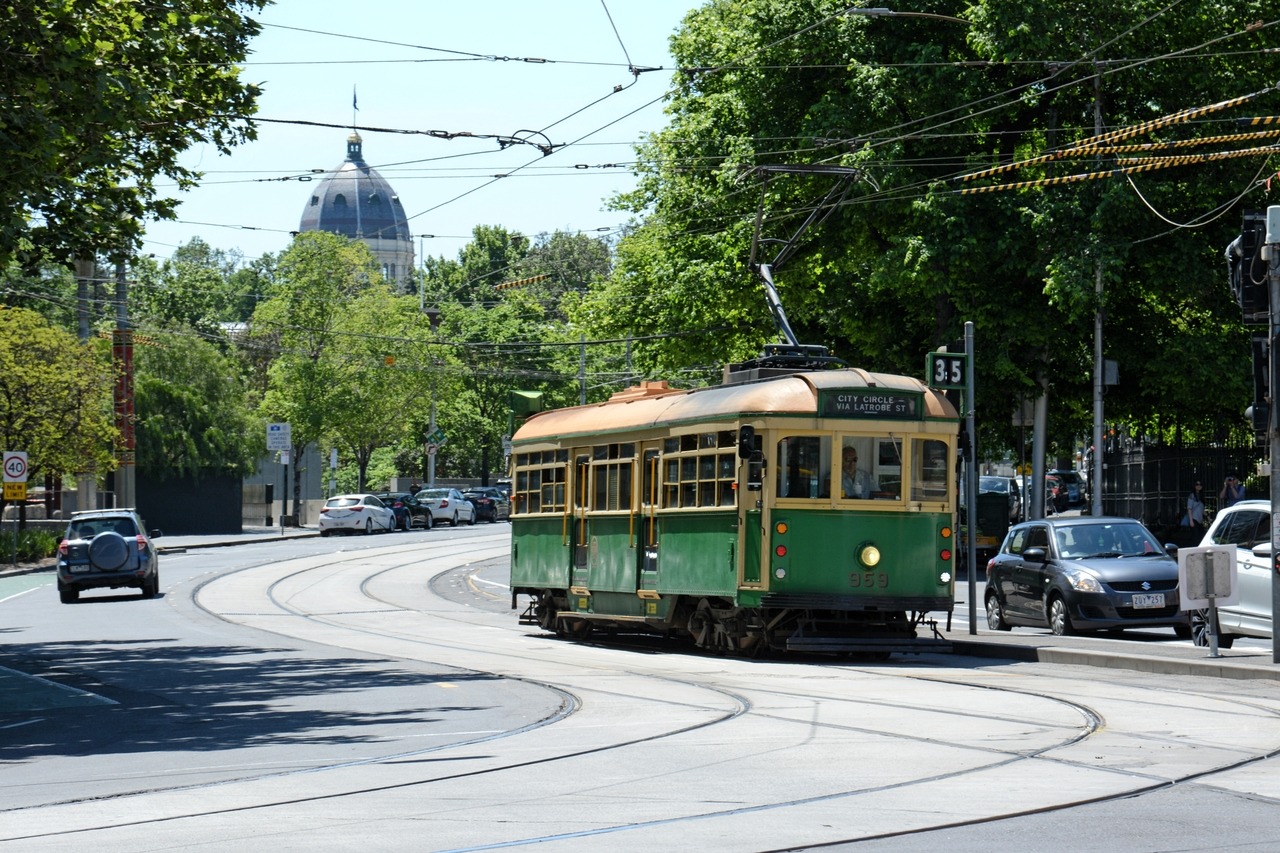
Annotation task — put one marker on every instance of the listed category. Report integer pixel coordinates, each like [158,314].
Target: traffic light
[1247,271]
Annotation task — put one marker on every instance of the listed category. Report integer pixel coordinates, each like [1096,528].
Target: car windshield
[434,494]
[338,502]
[993,484]
[1105,539]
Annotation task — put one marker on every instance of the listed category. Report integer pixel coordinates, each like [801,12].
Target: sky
[546,71]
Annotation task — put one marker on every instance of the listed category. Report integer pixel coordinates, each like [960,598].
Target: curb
[1211,667]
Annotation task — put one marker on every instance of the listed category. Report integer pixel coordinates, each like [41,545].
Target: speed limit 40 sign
[15,466]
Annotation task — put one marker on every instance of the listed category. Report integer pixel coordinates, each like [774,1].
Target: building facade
[355,201]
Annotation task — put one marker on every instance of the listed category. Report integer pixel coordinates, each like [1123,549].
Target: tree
[100,100]
[193,415]
[319,276]
[902,257]
[55,396]
[376,374]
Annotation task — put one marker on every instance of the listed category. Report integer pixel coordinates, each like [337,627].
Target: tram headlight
[869,555]
[945,577]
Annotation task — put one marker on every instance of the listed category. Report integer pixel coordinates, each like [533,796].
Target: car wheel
[1182,632]
[1200,631]
[472,519]
[325,532]
[454,522]
[995,615]
[68,595]
[428,522]
[1059,618]
[368,527]
[151,588]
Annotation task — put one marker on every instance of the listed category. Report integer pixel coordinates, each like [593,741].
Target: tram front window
[804,466]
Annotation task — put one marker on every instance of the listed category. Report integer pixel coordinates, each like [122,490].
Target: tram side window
[539,483]
[929,470]
[611,476]
[804,466]
[700,470]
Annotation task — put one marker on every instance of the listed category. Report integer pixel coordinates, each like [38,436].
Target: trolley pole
[971,480]
[1272,250]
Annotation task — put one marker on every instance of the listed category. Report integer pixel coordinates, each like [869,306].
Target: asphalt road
[377,693]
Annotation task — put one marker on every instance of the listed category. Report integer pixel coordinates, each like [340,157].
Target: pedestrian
[414,488]
[854,481]
[1194,517]
[1232,492]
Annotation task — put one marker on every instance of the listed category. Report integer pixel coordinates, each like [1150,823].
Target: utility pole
[86,268]
[1272,255]
[122,355]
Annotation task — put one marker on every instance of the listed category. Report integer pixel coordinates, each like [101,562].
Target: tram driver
[855,482]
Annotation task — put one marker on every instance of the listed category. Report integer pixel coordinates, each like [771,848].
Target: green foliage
[101,98]
[33,545]
[901,259]
[55,396]
[192,409]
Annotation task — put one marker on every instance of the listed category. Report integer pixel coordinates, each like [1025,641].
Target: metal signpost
[953,371]
[1207,578]
[1271,252]
[279,437]
[15,487]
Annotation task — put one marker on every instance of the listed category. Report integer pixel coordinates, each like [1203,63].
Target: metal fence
[1151,483]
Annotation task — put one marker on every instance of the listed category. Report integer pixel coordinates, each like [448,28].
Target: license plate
[1153,599]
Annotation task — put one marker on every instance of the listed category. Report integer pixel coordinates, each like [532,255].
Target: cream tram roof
[652,403]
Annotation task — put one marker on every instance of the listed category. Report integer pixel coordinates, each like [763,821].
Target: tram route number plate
[1142,601]
[946,370]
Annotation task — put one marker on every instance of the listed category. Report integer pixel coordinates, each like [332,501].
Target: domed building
[355,201]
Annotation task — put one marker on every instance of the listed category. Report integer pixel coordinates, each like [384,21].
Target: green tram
[722,514]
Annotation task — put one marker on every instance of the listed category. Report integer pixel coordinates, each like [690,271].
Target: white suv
[1247,525]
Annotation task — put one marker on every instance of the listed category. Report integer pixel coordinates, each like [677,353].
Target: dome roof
[355,201]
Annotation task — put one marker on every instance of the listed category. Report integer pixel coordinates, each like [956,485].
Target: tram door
[647,533]
[581,497]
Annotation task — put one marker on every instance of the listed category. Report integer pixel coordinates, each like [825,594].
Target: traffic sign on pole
[278,437]
[15,466]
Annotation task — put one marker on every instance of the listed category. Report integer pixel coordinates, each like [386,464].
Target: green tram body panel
[540,557]
[822,551]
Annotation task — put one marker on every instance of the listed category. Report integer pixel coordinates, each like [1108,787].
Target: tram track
[735,703]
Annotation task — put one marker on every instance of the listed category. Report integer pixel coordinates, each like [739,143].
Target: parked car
[1055,494]
[1007,486]
[1247,525]
[1073,483]
[395,501]
[107,548]
[447,504]
[361,513]
[1083,573]
[490,503]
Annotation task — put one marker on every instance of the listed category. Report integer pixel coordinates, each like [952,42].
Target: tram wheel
[545,612]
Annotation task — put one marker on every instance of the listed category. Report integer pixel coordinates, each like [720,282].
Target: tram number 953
[868,580]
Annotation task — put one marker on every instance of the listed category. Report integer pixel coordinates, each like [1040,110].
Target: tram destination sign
[869,403]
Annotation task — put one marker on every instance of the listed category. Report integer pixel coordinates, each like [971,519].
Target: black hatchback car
[1071,574]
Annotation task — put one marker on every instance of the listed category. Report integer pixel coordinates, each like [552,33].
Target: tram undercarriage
[716,624]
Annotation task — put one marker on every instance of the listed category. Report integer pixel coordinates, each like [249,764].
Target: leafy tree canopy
[101,98]
[55,396]
[855,134]
[193,415]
